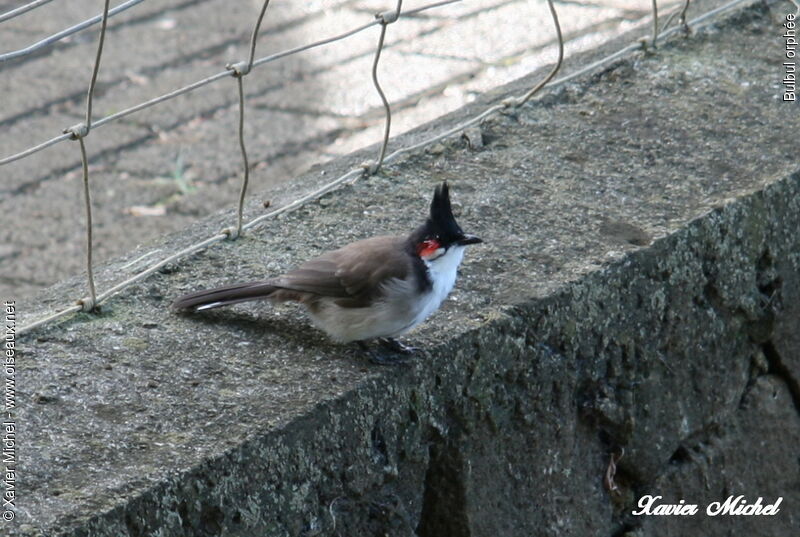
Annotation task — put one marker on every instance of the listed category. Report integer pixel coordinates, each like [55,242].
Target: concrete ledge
[638,289]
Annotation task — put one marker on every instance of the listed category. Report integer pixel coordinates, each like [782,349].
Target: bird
[377,288]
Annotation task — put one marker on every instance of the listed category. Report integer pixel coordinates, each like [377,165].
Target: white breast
[443,272]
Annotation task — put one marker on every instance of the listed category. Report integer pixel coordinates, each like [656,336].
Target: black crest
[440,225]
[442,221]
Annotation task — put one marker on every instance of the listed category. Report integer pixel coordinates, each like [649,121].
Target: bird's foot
[398,346]
[378,357]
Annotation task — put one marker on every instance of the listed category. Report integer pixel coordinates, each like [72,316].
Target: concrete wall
[637,291]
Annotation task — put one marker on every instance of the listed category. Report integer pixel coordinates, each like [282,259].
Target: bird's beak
[468,239]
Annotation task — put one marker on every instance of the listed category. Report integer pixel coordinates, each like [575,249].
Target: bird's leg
[398,346]
[380,358]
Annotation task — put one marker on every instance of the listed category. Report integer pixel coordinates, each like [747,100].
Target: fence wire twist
[241,69]
[79,132]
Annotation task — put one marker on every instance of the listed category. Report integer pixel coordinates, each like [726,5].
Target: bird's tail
[224,296]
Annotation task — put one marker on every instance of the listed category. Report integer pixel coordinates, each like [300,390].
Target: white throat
[443,272]
[443,269]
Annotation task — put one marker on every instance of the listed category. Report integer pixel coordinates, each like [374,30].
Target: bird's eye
[428,247]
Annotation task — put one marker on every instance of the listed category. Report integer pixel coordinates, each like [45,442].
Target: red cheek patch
[427,248]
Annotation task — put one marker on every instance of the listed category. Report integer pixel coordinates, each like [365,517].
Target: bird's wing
[353,273]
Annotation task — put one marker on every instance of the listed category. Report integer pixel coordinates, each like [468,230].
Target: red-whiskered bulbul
[380,287]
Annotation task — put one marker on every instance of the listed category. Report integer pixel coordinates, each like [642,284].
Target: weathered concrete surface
[745,456]
[636,290]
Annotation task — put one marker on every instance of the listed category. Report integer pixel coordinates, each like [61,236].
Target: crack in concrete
[443,500]
[778,367]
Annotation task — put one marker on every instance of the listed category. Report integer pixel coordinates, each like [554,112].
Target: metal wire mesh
[55,38]
[8,15]
[239,71]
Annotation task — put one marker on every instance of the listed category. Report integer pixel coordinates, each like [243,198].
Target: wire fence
[240,71]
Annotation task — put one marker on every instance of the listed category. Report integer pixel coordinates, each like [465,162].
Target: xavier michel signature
[732,506]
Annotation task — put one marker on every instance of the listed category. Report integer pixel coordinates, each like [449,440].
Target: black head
[440,231]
